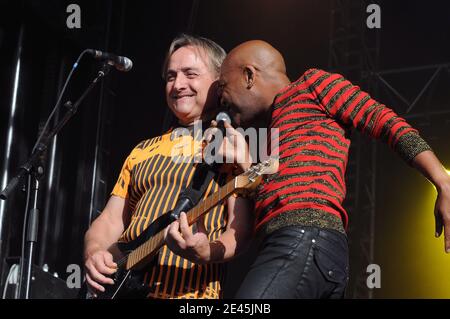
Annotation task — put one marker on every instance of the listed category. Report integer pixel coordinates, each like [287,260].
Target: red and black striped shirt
[314,116]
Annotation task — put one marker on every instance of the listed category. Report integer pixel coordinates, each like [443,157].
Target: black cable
[58,103]
[24,231]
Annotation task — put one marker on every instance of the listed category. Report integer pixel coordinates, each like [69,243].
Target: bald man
[299,213]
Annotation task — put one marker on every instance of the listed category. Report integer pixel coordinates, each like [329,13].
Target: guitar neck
[211,201]
[145,253]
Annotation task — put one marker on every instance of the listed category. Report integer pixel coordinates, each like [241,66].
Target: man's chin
[183,109]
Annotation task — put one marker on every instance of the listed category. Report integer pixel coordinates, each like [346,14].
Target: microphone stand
[33,168]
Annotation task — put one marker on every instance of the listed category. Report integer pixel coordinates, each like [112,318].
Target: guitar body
[129,283]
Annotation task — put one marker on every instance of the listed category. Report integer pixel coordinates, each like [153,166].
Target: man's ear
[249,74]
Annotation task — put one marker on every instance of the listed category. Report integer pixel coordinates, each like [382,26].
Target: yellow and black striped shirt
[152,177]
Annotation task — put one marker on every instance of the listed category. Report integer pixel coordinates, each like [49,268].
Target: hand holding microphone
[229,145]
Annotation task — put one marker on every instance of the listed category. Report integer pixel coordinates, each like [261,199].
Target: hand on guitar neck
[197,247]
[182,241]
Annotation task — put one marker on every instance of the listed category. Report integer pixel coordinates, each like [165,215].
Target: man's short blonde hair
[215,52]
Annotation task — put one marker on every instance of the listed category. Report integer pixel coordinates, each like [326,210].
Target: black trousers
[298,262]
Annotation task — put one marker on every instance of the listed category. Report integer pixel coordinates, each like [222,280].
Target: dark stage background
[390,205]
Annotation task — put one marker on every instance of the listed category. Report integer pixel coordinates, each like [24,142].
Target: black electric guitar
[128,279]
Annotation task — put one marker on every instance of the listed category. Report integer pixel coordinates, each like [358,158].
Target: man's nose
[180,83]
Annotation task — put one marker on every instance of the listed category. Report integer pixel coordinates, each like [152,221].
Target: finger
[228,129]
[93,286]
[438,223]
[97,275]
[229,151]
[174,227]
[108,258]
[447,234]
[184,226]
[174,234]
[447,238]
[166,231]
[209,133]
[227,125]
[100,266]
[213,123]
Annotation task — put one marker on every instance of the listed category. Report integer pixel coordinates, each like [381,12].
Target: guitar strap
[188,198]
[203,175]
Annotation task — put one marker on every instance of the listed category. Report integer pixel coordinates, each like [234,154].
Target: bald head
[260,54]
[251,76]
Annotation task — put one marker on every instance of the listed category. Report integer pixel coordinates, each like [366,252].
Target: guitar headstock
[250,179]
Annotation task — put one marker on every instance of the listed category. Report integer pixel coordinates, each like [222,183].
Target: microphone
[221,118]
[121,63]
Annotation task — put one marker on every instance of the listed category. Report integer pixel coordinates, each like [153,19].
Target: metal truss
[354,51]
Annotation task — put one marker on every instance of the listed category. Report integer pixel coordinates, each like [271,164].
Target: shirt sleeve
[351,106]
[123,182]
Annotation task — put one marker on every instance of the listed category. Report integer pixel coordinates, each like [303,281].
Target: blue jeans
[298,262]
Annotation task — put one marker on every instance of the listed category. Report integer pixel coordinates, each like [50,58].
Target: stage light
[432,270]
[426,276]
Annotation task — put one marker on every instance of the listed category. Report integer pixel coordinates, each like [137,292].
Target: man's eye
[191,75]
[170,78]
